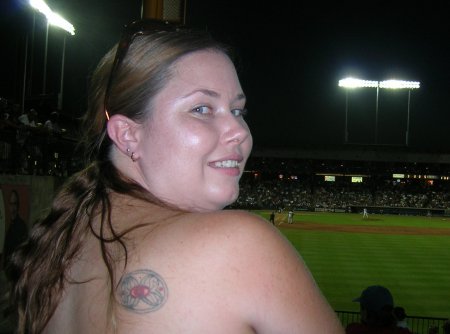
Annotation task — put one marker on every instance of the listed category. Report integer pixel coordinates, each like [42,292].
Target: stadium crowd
[278,188]
[298,195]
[39,141]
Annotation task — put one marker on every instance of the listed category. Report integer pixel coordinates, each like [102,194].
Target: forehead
[202,57]
[209,67]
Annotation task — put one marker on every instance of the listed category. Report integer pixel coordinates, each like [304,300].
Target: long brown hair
[83,205]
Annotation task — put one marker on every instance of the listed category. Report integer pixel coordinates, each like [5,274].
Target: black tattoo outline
[142,291]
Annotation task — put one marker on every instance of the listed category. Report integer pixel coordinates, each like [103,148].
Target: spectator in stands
[29,118]
[400,316]
[52,124]
[6,120]
[26,120]
[376,309]
[138,240]
[30,153]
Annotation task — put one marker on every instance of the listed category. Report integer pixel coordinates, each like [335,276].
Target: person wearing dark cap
[376,308]
[400,315]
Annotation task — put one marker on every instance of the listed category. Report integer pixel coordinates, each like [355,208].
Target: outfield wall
[387,210]
[401,211]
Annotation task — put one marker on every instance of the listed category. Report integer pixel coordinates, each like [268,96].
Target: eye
[202,110]
[239,112]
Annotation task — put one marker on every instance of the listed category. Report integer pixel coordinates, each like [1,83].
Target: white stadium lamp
[58,21]
[357,83]
[41,6]
[52,18]
[399,84]
[386,84]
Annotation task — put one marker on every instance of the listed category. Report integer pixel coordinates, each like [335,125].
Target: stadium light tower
[386,84]
[350,83]
[60,22]
[400,84]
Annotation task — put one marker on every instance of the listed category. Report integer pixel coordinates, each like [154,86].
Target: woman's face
[195,143]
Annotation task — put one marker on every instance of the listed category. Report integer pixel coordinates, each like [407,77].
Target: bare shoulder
[208,229]
[234,260]
[242,224]
[248,232]
[199,236]
[235,231]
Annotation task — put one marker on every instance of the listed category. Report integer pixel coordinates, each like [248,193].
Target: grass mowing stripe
[416,267]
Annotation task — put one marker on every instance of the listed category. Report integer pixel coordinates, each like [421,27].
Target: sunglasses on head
[130,32]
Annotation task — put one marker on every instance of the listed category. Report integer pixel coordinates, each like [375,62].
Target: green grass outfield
[416,268]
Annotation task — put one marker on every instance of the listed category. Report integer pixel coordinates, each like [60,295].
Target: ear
[122,131]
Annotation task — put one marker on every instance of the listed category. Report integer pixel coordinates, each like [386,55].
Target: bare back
[223,272]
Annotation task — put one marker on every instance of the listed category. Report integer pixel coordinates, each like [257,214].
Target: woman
[137,242]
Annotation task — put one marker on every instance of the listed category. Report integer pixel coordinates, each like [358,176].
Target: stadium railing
[418,325]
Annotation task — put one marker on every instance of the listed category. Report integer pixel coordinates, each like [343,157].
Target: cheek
[174,140]
[195,138]
[179,148]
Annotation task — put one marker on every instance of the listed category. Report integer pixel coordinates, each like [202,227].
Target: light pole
[44,76]
[400,84]
[376,114]
[56,20]
[346,117]
[407,119]
[61,86]
[350,83]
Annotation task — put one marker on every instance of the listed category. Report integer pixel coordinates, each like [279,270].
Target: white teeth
[226,164]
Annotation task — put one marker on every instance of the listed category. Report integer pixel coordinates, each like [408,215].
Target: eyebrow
[211,93]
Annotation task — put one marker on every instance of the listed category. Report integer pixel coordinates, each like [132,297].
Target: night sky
[292,57]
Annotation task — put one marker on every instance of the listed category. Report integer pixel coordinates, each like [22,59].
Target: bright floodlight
[357,83]
[57,20]
[399,84]
[41,6]
[52,18]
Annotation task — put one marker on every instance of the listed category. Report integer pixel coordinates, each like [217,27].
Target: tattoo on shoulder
[142,291]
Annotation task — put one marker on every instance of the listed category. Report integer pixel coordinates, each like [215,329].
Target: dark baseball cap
[375,297]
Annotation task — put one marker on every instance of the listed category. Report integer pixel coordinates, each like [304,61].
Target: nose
[236,130]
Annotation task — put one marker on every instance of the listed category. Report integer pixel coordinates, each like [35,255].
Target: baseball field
[410,255]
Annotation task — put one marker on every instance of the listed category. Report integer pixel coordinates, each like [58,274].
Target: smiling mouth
[226,164]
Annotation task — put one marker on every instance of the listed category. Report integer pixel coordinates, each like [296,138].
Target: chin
[223,197]
[231,199]
[221,203]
